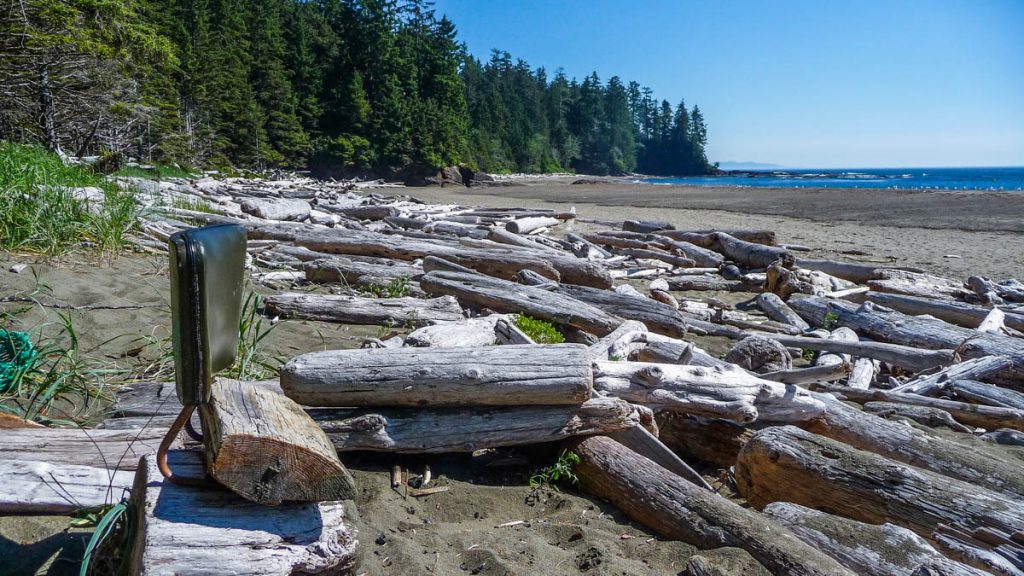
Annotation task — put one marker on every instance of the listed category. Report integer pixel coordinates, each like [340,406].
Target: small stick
[426,477]
[396,476]
[416,493]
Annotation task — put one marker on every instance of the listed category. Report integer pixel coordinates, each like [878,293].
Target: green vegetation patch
[541,331]
[49,207]
[396,288]
[562,471]
[156,172]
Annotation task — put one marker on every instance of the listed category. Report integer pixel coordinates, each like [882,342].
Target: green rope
[103,529]
[16,356]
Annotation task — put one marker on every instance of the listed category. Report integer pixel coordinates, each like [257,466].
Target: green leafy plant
[562,471]
[540,331]
[395,288]
[808,354]
[830,321]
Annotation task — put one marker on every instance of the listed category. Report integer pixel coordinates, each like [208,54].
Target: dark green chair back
[207,272]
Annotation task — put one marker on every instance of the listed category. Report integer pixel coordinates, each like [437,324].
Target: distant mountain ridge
[729,165]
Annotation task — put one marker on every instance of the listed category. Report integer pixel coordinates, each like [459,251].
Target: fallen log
[181,528]
[674,260]
[276,209]
[485,376]
[107,449]
[988,417]
[725,392]
[701,256]
[982,393]
[362,212]
[974,369]
[646,226]
[499,261]
[345,271]
[707,239]
[965,459]
[677,352]
[466,333]
[409,312]
[505,237]
[891,326]
[863,373]
[645,443]
[788,464]
[659,318]
[531,223]
[507,297]
[924,415]
[677,509]
[263,447]
[430,430]
[959,313]
[908,357]
[689,283]
[749,254]
[779,311]
[852,271]
[810,375]
[991,292]
[714,442]
[588,245]
[36,488]
[866,549]
[918,284]
[840,334]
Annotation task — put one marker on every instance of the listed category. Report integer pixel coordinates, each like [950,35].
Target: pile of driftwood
[873,415]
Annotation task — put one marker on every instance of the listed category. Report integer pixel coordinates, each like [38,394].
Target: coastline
[956,234]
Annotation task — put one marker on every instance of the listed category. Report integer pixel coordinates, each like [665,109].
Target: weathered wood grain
[35,488]
[411,312]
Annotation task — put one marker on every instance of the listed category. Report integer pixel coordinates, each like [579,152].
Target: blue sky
[825,83]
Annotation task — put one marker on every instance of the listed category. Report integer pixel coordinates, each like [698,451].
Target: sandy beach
[461,531]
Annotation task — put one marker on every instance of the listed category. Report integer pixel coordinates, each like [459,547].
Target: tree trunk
[890,326]
[967,459]
[791,465]
[486,376]
[179,529]
[411,312]
[263,447]
[677,509]
[507,297]
[726,392]
[958,313]
[431,431]
[867,549]
[749,254]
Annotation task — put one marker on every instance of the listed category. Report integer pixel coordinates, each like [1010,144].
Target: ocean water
[982,179]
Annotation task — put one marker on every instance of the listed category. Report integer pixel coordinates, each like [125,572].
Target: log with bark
[677,509]
[959,313]
[866,549]
[792,465]
[263,447]
[410,312]
[725,392]
[440,430]
[507,297]
[485,376]
[890,326]
[179,529]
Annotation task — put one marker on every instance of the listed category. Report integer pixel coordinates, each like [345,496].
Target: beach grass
[51,208]
[156,172]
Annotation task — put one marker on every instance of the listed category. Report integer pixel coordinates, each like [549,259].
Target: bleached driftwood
[863,373]
[108,449]
[788,464]
[411,312]
[262,446]
[988,394]
[779,311]
[507,297]
[959,313]
[725,392]
[438,430]
[866,549]
[810,374]
[905,356]
[465,333]
[746,253]
[484,376]
[181,528]
[35,488]
[974,369]
[529,224]
[677,509]
[277,209]
[841,334]
[924,415]
[918,284]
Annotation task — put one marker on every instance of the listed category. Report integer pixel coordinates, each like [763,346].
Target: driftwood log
[263,447]
[987,394]
[181,528]
[714,442]
[959,313]
[465,333]
[792,465]
[508,297]
[411,312]
[906,356]
[725,392]
[36,488]
[426,430]
[974,369]
[897,328]
[484,376]
[107,449]
[677,509]
[749,254]
[779,311]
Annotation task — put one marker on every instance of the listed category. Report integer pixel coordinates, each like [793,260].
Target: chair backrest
[207,273]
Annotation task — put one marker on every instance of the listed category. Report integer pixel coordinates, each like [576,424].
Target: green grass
[156,172]
[39,211]
[541,331]
[251,361]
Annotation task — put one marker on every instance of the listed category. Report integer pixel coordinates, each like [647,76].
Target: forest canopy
[343,87]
